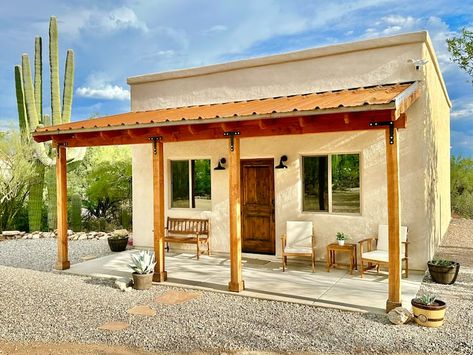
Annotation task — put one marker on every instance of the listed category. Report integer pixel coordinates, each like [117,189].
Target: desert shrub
[462,186]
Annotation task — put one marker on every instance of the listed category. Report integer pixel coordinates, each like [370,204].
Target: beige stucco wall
[316,73]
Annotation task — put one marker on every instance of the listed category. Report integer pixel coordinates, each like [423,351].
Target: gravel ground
[52,307]
[40,254]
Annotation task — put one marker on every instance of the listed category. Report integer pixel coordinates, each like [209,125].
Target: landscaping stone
[177,297]
[399,315]
[142,311]
[10,233]
[114,326]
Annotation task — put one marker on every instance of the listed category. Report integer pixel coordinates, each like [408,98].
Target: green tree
[461,49]
[108,187]
[15,172]
[462,186]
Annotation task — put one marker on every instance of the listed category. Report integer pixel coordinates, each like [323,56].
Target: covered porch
[381,107]
[264,279]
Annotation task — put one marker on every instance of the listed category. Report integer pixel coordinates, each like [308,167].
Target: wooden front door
[257,206]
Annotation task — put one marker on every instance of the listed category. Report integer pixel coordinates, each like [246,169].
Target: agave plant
[427,299]
[143,263]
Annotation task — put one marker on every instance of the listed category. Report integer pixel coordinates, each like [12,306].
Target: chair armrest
[283,242]
[406,243]
[366,240]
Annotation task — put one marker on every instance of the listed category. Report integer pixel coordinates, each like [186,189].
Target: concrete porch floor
[264,279]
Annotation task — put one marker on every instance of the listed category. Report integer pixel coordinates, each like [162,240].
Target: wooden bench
[188,231]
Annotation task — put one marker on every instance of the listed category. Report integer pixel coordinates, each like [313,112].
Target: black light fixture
[221,162]
[281,164]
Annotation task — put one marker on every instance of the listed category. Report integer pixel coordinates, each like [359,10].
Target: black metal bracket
[155,141]
[231,134]
[386,123]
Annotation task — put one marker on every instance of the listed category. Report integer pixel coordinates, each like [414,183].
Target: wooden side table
[350,248]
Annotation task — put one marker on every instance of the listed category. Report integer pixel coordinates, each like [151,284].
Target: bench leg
[283,263]
[198,250]
[208,247]
[362,268]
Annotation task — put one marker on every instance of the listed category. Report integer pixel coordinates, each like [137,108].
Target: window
[190,184]
[331,183]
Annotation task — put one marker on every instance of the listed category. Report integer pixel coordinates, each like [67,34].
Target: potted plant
[341,237]
[118,240]
[143,269]
[443,271]
[428,310]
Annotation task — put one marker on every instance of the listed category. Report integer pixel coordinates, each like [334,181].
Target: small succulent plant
[143,263]
[427,299]
[442,262]
[341,236]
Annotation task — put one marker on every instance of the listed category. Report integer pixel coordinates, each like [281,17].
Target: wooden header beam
[337,122]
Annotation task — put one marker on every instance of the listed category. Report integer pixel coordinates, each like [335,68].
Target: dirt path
[19,348]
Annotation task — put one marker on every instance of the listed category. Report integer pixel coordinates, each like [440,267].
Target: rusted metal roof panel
[346,98]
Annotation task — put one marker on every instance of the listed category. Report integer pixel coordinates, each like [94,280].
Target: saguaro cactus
[76,213]
[30,115]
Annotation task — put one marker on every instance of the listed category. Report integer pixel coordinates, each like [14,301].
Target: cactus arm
[29,93]
[46,120]
[54,68]
[20,100]
[68,87]
[38,77]
[75,154]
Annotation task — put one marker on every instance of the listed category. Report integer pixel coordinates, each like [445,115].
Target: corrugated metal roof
[346,98]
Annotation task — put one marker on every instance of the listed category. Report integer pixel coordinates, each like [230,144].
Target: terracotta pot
[429,316]
[117,244]
[142,281]
[441,274]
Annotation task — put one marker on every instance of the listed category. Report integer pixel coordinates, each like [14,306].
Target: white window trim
[329,188]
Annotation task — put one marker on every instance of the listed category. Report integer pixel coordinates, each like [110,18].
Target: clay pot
[142,281]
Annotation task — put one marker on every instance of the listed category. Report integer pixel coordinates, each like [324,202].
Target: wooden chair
[298,241]
[380,255]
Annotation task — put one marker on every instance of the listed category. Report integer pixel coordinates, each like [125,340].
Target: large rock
[399,315]
[10,233]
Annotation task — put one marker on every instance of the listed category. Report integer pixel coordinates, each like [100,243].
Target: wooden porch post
[160,274]
[394,223]
[62,262]
[236,283]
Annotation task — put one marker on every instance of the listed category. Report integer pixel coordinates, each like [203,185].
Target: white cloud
[215,29]
[463,110]
[100,21]
[107,91]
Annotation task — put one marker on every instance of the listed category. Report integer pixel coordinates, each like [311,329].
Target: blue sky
[113,40]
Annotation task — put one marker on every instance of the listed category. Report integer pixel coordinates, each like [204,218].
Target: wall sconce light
[281,164]
[221,162]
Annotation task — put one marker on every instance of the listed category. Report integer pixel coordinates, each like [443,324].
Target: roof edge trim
[390,106]
[390,41]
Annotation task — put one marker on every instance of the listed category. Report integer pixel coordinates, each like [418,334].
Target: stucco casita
[424,144]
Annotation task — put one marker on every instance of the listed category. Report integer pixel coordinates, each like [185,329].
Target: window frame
[329,187]
[191,184]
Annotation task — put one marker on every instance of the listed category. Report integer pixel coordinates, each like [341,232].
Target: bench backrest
[383,236]
[299,233]
[187,226]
